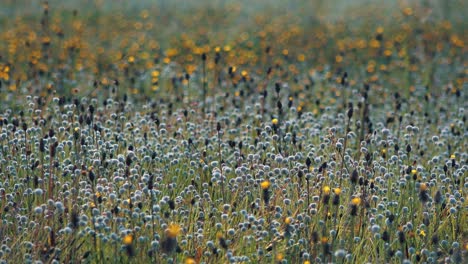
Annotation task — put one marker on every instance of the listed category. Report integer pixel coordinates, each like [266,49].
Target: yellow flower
[274,121]
[265,184]
[337,191]
[173,230]
[423,187]
[279,257]
[288,220]
[408,11]
[127,240]
[190,261]
[306,262]
[413,171]
[356,201]
[422,233]
[452,156]
[326,190]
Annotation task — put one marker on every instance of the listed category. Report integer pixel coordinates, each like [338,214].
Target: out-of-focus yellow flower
[265,184]
[128,240]
[173,230]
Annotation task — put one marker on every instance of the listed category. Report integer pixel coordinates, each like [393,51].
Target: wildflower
[279,257]
[128,239]
[98,196]
[173,230]
[222,241]
[326,194]
[423,195]
[274,121]
[190,260]
[76,133]
[169,243]
[265,185]
[128,243]
[422,233]
[355,202]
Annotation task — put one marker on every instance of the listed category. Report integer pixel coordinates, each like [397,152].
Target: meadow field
[233,131]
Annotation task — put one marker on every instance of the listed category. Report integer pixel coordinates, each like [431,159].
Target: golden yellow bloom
[422,233]
[274,121]
[337,191]
[423,187]
[339,58]
[306,262]
[408,11]
[265,184]
[380,30]
[77,129]
[413,171]
[288,220]
[279,257]
[326,190]
[301,57]
[190,261]
[173,230]
[324,240]
[452,156]
[356,201]
[127,240]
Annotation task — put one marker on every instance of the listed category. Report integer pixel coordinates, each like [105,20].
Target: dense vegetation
[233,132]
